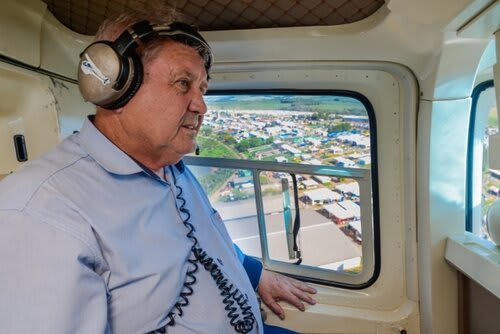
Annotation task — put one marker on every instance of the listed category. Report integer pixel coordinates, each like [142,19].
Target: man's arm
[253,267]
[48,282]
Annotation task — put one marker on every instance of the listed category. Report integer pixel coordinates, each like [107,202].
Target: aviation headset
[110,72]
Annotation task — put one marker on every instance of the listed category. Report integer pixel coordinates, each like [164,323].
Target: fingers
[302,296]
[295,297]
[302,291]
[295,301]
[276,308]
[304,287]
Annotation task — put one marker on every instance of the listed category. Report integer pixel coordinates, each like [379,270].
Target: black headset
[110,72]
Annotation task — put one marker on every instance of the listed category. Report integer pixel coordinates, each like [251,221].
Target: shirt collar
[107,154]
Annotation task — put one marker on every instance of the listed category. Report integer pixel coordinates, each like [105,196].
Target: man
[110,231]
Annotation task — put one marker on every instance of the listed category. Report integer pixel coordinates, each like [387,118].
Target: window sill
[477,258]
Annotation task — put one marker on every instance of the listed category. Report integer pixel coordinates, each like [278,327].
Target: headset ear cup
[106,78]
[99,68]
[136,75]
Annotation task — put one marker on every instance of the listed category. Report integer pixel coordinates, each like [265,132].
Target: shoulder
[33,201]
[18,188]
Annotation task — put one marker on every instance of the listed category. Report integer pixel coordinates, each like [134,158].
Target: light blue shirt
[91,242]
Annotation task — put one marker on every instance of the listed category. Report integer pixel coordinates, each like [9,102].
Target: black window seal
[476,93]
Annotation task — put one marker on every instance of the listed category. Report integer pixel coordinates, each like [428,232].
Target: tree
[340,127]
[206,131]
[247,143]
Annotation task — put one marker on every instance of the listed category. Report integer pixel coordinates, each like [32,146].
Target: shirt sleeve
[48,282]
[253,267]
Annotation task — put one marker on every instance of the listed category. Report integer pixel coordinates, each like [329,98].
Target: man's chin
[190,149]
[184,147]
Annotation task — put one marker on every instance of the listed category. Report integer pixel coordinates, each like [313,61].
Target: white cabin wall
[61,47]
[43,109]
[442,148]
[398,32]
[32,36]
[444,116]
[37,104]
[20,23]
[28,108]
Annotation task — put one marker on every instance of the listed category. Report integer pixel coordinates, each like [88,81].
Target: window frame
[317,275]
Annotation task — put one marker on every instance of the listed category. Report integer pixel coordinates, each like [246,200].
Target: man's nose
[198,104]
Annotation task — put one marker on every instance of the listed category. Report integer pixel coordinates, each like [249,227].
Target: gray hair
[155,12]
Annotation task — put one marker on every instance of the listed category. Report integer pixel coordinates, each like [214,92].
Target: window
[292,176]
[483,182]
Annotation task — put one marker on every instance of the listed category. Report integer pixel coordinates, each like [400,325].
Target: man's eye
[184,84]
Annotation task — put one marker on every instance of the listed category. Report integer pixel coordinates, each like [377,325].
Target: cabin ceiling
[85,16]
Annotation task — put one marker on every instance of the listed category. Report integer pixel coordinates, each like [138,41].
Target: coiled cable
[236,303]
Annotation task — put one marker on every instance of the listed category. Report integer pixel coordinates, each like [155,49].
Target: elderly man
[110,231]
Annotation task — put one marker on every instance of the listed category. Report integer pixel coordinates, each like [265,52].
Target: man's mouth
[191,123]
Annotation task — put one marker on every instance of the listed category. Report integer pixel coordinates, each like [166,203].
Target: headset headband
[178,31]
[185,33]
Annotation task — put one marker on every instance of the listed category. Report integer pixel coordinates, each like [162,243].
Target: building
[321,196]
[343,162]
[309,184]
[338,213]
[281,159]
[336,150]
[348,189]
[355,226]
[291,149]
[322,179]
[241,182]
[351,207]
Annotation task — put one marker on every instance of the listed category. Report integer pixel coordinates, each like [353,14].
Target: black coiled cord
[242,323]
[233,299]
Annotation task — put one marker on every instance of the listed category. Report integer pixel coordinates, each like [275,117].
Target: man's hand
[274,287]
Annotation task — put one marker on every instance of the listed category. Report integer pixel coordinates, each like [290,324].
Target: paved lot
[322,242]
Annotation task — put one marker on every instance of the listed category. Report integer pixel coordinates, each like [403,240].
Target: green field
[311,103]
[212,148]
